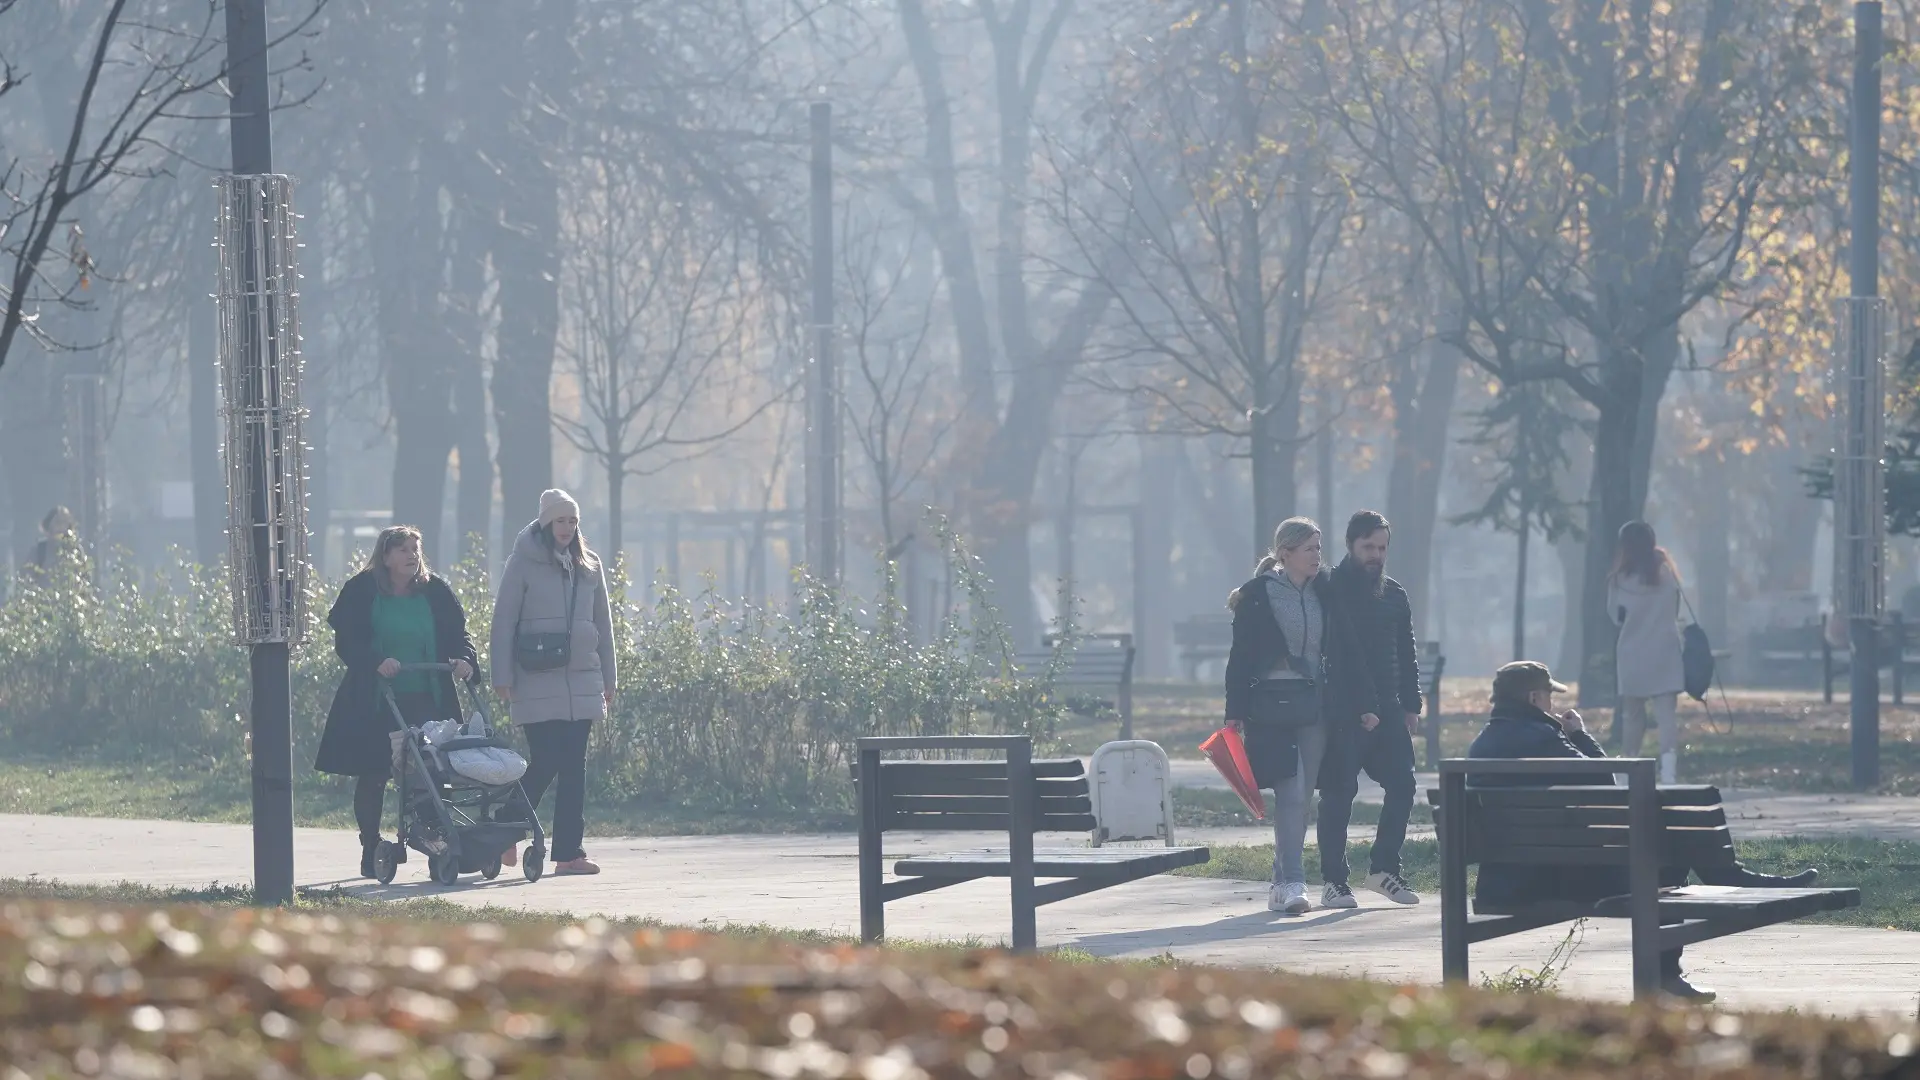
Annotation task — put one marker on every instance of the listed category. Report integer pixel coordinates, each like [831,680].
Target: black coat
[1258,647]
[1518,730]
[355,742]
[1379,626]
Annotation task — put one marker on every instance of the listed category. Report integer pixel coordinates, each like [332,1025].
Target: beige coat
[533,598]
[1647,656]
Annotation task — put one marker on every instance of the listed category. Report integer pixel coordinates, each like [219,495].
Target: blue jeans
[1292,798]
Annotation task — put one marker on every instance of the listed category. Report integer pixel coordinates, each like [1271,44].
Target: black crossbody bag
[548,652]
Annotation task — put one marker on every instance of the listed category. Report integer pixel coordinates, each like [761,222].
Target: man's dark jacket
[1380,624]
[1518,730]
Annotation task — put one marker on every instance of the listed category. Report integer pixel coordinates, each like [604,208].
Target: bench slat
[1532,817]
[908,775]
[1570,796]
[1053,862]
[987,823]
[969,785]
[984,804]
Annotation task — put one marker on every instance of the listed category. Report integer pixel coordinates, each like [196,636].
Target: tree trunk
[1611,505]
[525,258]
[1786,563]
[473,498]
[316,303]
[32,422]
[1153,557]
[1713,552]
[414,350]
[1323,468]
[203,414]
[1573,570]
[1275,435]
[616,542]
[1422,419]
[1520,588]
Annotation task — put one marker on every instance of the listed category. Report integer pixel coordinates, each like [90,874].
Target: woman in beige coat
[1643,598]
[553,664]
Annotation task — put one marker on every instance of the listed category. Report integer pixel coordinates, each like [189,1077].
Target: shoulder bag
[548,652]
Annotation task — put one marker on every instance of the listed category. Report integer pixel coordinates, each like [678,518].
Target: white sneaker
[1391,887]
[1289,899]
[1337,895]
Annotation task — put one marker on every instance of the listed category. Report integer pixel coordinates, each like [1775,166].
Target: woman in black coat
[1289,658]
[394,612]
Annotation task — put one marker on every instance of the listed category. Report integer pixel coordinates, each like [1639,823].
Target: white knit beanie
[556,503]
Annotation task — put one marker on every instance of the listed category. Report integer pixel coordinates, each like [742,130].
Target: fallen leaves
[210,993]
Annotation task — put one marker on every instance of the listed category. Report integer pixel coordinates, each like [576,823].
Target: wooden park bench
[1641,827]
[1016,795]
[1202,639]
[1098,662]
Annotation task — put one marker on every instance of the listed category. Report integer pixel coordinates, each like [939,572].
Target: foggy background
[1119,286]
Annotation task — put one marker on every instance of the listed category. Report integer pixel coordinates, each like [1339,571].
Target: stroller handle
[444,667]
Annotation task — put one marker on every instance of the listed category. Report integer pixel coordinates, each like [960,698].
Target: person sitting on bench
[1523,725]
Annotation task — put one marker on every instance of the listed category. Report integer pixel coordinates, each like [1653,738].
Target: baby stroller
[461,824]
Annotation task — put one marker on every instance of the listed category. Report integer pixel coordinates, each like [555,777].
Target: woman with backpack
[553,664]
[1643,598]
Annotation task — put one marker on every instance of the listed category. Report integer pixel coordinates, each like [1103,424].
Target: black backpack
[1696,662]
[1696,656]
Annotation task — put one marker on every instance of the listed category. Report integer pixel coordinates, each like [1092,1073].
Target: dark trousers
[558,751]
[1386,755]
[370,791]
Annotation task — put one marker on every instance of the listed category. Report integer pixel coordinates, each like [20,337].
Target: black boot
[366,858]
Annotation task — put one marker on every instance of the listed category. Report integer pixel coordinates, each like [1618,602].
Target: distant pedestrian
[1643,598]
[1373,714]
[394,612]
[58,543]
[553,663]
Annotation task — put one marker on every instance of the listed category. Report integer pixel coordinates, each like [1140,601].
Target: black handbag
[1281,709]
[548,652]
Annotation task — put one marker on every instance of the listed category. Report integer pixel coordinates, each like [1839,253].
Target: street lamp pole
[1859,503]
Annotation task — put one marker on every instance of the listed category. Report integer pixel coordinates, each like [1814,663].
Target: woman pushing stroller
[395,612]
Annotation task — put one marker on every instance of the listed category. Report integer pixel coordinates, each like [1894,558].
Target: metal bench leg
[1453,880]
[873,906]
[1643,876]
[1020,847]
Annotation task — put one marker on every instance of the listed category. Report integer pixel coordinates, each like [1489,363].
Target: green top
[403,630]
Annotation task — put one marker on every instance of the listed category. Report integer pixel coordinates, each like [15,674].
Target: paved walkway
[809,882]
[1751,812]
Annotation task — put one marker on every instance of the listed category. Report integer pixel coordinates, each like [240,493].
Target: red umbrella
[1228,752]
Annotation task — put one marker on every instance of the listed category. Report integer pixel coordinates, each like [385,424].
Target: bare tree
[898,411]
[139,70]
[1599,162]
[1227,241]
[660,299]
[1012,369]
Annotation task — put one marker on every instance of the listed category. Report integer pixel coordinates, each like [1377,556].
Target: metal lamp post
[1860,391]
[259,350]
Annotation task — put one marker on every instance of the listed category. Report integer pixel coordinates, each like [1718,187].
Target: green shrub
[719,706]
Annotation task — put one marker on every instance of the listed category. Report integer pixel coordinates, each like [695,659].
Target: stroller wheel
[444,868]
[492,869]
[535,862]
[385,862]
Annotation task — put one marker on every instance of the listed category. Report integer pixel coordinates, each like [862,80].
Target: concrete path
[809,882]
